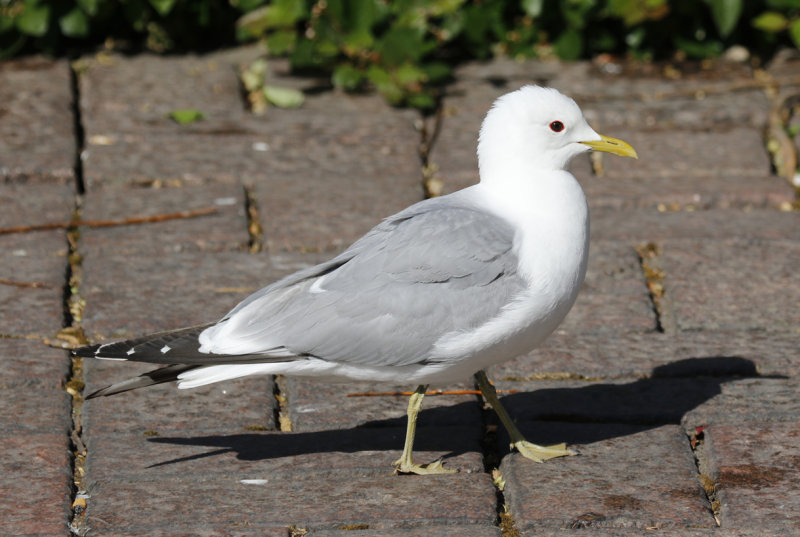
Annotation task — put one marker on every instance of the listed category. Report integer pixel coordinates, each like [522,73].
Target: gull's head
[537,128]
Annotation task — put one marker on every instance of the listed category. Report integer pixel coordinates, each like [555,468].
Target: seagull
[433,294]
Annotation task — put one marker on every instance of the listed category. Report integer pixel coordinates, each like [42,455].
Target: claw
[538,453]
[435,467]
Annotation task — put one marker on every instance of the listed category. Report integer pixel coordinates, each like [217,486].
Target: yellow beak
[612,145]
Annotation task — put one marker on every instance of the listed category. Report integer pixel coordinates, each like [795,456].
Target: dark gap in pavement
[432,184]
[491,465]
[72,308]
[255,230]
[79,132]
[72,311]
[697,444]
[649,260]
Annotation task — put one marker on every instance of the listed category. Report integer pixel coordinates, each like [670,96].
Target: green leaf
[89,6]
[726,14]
[281,42]
[162,7]
[771,21]
[74,23]
[784,4]
[794,32]
[699,49]
[34,20]
[185,116]
[385,85]
[407,74]
[347,77]
[284,97]
[436,72]
[532,7]
[569,45]
[423,101]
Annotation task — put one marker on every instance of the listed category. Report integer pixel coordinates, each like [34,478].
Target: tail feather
[181,346]
[178,350]
[158,376]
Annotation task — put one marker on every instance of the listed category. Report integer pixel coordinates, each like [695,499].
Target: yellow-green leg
[405,464]
[529,450]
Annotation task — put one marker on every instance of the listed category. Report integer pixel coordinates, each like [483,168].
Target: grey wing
[433,269]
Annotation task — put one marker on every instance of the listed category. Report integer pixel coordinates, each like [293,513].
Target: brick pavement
[683,407]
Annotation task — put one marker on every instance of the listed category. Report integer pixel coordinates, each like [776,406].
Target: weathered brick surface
[38,124]
[425,531]
[633,479]
[35,476]
[225,229]
[713,285]
[649,400]
[686,354]
[754,472]
[614,296]
[309,502]
[36,262]
[746,401]
[646,225]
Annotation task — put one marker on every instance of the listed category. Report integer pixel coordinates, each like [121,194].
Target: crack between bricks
[649,261]
[707,484]
[255,230]
[72,332]
[78,130]
[491,465]
[432,183]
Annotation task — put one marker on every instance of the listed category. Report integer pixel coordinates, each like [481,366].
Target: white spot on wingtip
[316,287]
[254,481]
[131,351]
[165,349]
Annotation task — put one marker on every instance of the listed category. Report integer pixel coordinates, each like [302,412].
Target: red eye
[556,126]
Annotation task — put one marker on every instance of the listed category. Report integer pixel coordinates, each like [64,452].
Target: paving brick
[220,448]
[641,401]
[25,360]
[313,503]
[645,225]
[755,470]
[137,93]
[686,354]
[35,476]
[614,295]
[128,295]
[35,204]
[714,284]
[232,405]
[342,162]
[206,529]
[226,229]
[751,401]
[639,479]
[315,406]
[34,406]
[38,262]
[38,125]
[345,162]
[425,531]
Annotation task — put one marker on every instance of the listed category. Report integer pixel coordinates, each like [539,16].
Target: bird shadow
[577,414]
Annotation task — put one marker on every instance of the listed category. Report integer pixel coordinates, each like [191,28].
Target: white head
[537,128]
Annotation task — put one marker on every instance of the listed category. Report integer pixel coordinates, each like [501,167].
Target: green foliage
[404,49]
[64,26]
